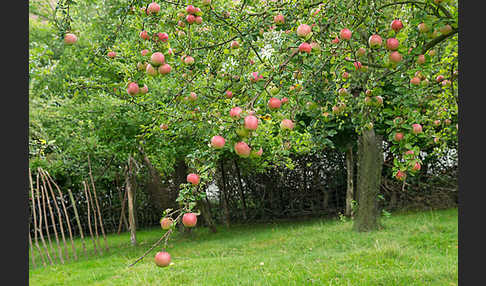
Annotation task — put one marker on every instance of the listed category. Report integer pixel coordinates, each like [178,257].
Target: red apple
[392,44]
[287,124]
[198,20]
[163,37]
[305,47]
[166,223]
[416,167]
[303,30]
[132,88]
[361,52]
[398,136]
[229,94]
[70,39]
[345,34]
[164,126]
[255,77]
[401,175]
[190,19]
[357,65]
[345,75]
[379,99]
[192,96]
[189,219]
[279,19]
[416,128]
[395,57]
[217,142]
[162,259]
[375,41]
[144,35]
[396,25]
[284,100]
[190,9]
[274,103]
[144,52]
[111,54]
[157,58]
[335,41]
[439,78]
[193,178]
[235,112]
[165,69]
[153,8]
[235,45]
[415,80]
[421,59]
[188,60]
[251,122]
[242,149]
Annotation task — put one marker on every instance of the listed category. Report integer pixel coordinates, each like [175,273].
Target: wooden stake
[131,216]
[45,222]
[122,214]
[78,221]
[97,205]
[32,251]
[36,241]
[59,218]
[39,193]
[89,219]
[53,220]
[66,214]
[95,220]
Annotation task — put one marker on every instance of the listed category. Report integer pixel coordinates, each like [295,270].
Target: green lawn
[413,249]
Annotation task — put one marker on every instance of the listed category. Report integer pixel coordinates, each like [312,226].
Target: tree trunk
[131,207]
[370,164]
[242,194]
[160,195]
[350,185]
[203,205]
[224,196]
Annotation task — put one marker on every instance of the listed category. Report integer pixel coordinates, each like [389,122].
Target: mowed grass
[413,249]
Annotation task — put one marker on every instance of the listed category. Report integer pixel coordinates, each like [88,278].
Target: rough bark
[370,164]
[350,181]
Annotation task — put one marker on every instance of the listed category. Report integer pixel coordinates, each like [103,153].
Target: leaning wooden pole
[89,219]
[39,193]
[97,205]
[73,202]
[131,215]
[58,210]
[45,222]
[53,219]
[32,254]
[34,212]
[95,220]
[122,214]
[66,215]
